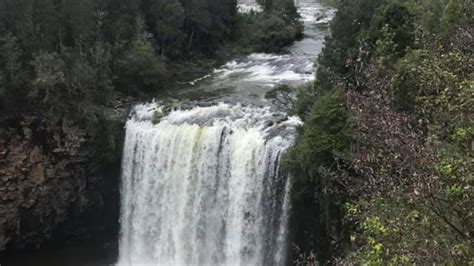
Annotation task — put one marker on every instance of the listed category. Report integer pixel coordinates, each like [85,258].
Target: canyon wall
[52,187]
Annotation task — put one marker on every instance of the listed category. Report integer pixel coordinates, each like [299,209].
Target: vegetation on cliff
[70,55]
[383,165]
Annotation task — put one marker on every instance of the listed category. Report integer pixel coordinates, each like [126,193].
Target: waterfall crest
[203,187]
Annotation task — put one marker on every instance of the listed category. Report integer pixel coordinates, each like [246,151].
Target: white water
[202,187]
[247,79]
[268,69]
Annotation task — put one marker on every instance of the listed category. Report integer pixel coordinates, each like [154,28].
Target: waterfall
[203,187]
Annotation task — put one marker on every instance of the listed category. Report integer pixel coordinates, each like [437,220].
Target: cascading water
[203,187]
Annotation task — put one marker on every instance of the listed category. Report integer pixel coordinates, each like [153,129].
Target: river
[247,79]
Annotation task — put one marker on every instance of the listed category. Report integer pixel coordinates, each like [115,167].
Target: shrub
[141,69]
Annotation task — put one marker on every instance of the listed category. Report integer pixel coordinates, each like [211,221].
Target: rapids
[248,78]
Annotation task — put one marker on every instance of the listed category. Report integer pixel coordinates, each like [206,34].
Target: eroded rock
[49,189]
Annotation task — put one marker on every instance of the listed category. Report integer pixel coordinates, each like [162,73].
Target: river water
[247,79]
[202,185]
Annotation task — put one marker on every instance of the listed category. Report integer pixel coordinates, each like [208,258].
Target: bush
[12,78]
[50,78]
[271,30]
[141,70]
[406,86]
[325,137]
[315,163]
[397,26]
[405,67]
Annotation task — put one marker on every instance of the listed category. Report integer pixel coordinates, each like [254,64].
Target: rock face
[50,186]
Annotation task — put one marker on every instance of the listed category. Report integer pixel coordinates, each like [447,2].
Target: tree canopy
[59,54]
[383,165]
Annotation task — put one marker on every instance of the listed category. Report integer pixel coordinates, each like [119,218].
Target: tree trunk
[190,43]
[162,49]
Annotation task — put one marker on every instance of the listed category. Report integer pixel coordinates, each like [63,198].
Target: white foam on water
[248,8]
[203,187]
[267,69]
[315,13]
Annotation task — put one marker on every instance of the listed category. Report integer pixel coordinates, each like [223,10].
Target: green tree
[168,18]
[458,13]
[140,68]
[319,187]
[120,19]
[12,76]
[406,70]
[223,13]
[266,4]
[49,78]
[396,26]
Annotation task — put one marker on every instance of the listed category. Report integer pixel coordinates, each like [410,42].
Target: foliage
[168,18]
[316,161]
[458,13]
[406,70]
[78,56]
[304,100]
[12,78]
[140,68]
[396,26]
[108,145]
[271,30]
[50,77]
[326,135]
[282,96]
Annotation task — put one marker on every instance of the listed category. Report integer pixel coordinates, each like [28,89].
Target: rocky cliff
[52,187]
